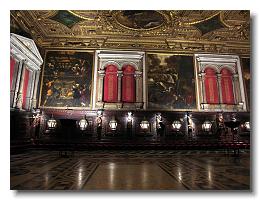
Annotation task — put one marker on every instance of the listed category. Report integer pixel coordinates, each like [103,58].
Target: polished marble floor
[130,170]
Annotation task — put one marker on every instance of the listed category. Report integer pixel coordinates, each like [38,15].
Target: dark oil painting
[246,77]
[171,82]
[140,19]
[67,79]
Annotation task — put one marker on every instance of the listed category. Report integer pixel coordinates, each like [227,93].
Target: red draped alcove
[25,86]
[128,84]
[211,88]
[12,64]
[227,87]
[110,84]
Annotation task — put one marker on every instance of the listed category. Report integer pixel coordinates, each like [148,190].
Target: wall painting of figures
[246,77]
[171,81]
[67,79]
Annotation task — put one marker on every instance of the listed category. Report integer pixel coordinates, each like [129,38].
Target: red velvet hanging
[25,86]
[12,64]
[211,87]
[227,87]
[128,84]
[110,84]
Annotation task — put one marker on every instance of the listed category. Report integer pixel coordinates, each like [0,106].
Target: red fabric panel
[110,84]
[12,64]
[25,86]
[128,84]
[211,87]
[227,87]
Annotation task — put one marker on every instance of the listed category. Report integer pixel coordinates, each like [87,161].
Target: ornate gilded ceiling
[178,31]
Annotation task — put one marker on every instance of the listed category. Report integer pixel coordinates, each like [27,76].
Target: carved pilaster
[219,77]
[236,89]
[19,86]
[33,76]
[119,79]
[101,75]
[14,81]
[34,102]
[138,86]
[202,85]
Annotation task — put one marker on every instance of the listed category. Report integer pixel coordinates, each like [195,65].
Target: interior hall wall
[247,78]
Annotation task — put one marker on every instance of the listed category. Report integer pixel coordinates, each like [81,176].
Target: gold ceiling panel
[186,30]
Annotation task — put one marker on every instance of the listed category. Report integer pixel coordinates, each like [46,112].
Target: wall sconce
[51,123]
[247,126]
[113,124]
[144,125]
[206,126]
[129,117]
[100,112]
[83,123]
[176,125]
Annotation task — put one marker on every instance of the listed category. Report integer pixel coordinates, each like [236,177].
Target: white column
[32,83]
[119,85]
[101,74]
[236,89]
[37,76]
[138,87]
[219,76]
[19,86]
[202,85]
[14,81]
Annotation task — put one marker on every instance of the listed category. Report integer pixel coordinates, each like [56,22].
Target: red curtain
[128,84]
[25,86]
[110,84]
[211,87]
[12,64]
[227,87]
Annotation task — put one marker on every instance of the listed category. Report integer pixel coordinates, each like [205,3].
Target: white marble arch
[219,62]
[104,58]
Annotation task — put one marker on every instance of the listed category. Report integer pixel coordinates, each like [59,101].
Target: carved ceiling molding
[165,31]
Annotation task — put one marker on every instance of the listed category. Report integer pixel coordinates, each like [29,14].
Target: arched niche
[211,87]
[128,84]
[110,84]
[227,86]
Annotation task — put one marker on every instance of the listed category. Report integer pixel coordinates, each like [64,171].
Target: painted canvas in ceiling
[67,79]
[171,82]
[189,31]
[140,19]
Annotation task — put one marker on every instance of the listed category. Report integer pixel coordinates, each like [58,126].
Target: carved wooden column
[219,76]
[119,79]
[19,86]
[101,75]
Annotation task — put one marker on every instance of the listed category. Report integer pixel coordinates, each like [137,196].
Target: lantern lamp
[144,124]
[83,123]
[99,112]
[129,117]
[113,124]
[176,125]
[206,126]
[51,123]
[247,126]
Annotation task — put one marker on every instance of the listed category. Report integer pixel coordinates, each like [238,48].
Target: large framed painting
[67,79]
[171,82]
[246,76]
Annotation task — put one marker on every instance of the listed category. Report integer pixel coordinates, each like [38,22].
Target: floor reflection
[131,170]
